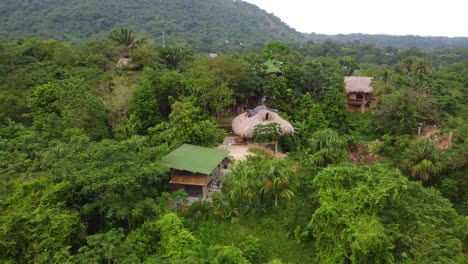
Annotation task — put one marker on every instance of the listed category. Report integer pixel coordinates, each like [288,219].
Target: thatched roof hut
[357,84]
[244,124]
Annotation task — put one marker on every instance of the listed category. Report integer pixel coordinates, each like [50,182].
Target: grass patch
[274,239]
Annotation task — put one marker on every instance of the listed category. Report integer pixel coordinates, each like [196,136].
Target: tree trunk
[276,199]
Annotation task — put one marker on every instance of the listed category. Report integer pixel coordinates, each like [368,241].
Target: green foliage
[400,112]
[210,26]
[243,183]
[334,109]
[68,104]
[394,146]
[103,247]
[126,40]
[374,215]
[35,223]
[363,124]
[395,42]
[353,196]
[276,51]
[113,183]
[326,147]
[271,132]
[252,249]
[270,177]
[453,181]
[279,96]
[150,103]
[278,179]
[422,160]
[214,97]
[175,240]
[321,74]
[68,194]
[187,125]
[174,56]
[415,64]
[315,121]
[430,231]
[259,243]
[349,65]
[228,255]
[221,81]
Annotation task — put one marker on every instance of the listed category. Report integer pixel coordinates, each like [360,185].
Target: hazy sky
[395,17]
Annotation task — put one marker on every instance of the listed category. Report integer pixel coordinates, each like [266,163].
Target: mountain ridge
[396,41]
[206,25]
[203,24]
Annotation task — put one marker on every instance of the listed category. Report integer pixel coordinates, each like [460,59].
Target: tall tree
[334,109]
[326,147]
[173,56]
[187,124]
[150,103]
[235,74]
[126,40]
[276,50]
[242,184]
[280,96]
[400,112]
[278,179]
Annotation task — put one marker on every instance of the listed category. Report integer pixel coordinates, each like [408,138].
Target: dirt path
[241,152]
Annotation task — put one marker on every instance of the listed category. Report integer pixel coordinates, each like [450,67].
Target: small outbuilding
[243,125]
[359,93]
[192,168]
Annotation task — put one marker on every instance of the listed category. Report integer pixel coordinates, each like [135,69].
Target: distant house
[192,168]
[359,93]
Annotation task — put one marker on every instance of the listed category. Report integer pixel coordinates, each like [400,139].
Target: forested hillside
[206,25]
[404,42]
[82,136]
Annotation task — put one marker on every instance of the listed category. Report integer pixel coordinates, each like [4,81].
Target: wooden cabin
[359,93]
[192,168]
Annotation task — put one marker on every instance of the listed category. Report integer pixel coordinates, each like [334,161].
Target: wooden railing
[200,180]
[354,101]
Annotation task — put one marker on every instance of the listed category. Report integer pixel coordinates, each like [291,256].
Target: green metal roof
[195,159]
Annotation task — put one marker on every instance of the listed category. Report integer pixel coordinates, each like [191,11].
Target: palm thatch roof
[243,125]
[355,84]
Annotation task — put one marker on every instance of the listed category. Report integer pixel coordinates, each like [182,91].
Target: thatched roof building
[244,124]
[357,84]
[358,93]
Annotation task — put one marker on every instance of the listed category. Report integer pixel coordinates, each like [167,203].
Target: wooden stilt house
[192,168]
[359,93]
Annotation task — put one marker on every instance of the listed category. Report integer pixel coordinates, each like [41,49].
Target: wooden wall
[200,180]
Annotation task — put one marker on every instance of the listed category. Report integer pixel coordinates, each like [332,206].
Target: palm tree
[326,147]
[422,160]
[172,56]
[126,40]
[279,179]
[242,183]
